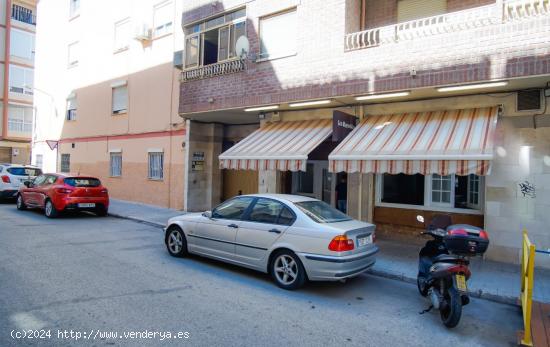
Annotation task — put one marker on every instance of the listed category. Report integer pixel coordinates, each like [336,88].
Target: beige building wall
[145,66]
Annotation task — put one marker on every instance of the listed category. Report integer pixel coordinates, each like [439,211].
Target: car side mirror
[207,214]
[27,184]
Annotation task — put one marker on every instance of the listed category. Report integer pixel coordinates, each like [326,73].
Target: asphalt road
[94,275]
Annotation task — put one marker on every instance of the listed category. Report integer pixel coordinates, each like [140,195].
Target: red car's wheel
[49,210]
[20,203]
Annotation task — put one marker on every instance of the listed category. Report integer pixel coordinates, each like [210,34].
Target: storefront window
[403,189]
[432,191]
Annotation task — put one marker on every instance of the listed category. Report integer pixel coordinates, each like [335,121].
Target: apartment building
[107,95]
[17,34]
[418,107]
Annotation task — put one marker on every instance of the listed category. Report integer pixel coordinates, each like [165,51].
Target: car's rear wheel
[101,211]
[287,270]
[49,210]
[20,203]
[176,242]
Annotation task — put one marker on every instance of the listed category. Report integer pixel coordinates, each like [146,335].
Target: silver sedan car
[293,238]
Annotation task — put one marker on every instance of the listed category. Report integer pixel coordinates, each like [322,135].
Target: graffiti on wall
[527,189]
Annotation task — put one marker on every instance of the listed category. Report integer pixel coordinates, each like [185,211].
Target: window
[321,212]
[22,44]
[278,35]
[441,190]
[23,14]
[269,211]
[414,9]
[156,162]
[82,182]
[120,99]
[115,165]
[39,180]
[214,40]
[435,191]
[122,34]
[73,54]
[71,108]
[162,19]
[39,161]
[74,8]
[232,209]
[21,80]
[20,119]
[65,162]
[305,180]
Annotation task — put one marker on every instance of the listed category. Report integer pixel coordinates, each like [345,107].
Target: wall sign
[197,164]
[342,125]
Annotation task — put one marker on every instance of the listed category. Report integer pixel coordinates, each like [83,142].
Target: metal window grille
[156,164]
[116,165]
[65,162]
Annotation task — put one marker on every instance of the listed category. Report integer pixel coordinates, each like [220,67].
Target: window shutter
[414,9]
[120,99]
[278,35]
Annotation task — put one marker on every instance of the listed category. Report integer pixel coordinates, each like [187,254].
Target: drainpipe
[5,95]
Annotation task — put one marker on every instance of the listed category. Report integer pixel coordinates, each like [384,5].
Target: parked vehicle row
[13,176]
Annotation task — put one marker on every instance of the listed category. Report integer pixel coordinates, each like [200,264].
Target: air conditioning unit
[178,60]
[143,33]
[529,100]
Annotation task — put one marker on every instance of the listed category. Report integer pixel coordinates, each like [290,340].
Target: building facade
[107,96]
[447,101]
[17,37]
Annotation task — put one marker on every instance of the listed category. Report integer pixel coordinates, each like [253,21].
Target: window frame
[31,36]
[112,172]
[150,170]
[24,87]
[62,163]
[70,46]
[39,163]
[123,110]
[199,29]
[74,11]
[287,11]
[166,26]
[125,45]
[428,205]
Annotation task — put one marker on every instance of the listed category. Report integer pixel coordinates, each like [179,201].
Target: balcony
[19,126]
[479,17]
[23,14]
[217,69]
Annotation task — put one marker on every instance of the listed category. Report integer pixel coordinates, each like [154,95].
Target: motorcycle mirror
[420,218]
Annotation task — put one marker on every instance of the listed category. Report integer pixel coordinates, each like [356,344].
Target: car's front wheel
[20,203]
[287,270]
[176,242]
[49,210]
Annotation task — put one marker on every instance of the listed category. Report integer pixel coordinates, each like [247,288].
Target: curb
[501,299]
[138,220]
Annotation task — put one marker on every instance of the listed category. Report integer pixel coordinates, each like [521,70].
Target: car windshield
[82,182]
[321,212]
[24,171]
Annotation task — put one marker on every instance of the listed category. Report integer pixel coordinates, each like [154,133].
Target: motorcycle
[443,263]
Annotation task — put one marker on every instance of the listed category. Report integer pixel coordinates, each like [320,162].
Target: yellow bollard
[527,280]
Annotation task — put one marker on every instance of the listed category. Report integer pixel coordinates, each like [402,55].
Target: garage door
[239,182]
[5,155]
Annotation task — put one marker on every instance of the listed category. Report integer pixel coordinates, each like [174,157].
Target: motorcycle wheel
[452,309]
[421,285]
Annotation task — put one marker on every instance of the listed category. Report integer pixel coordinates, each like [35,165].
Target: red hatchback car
[56,193]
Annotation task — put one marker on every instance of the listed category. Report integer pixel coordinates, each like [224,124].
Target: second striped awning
[439,142]
[283,146]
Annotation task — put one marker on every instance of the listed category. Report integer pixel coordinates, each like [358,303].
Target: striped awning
[440,142]
[281,146]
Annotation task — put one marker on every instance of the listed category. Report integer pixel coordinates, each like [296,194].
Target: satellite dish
[242,46]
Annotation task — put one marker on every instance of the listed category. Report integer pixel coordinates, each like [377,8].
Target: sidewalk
[397,259]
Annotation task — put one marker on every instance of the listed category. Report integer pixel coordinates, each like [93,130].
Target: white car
[12,176]
[293,238]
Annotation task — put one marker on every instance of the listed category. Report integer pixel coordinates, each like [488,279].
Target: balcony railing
[23,14]
[448,23]
[217,69]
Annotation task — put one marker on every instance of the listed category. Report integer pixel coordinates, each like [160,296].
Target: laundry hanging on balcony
[439,142]
[281,146]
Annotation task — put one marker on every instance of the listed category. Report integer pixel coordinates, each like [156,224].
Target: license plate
[363,241]
[86,205]
[461,283]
